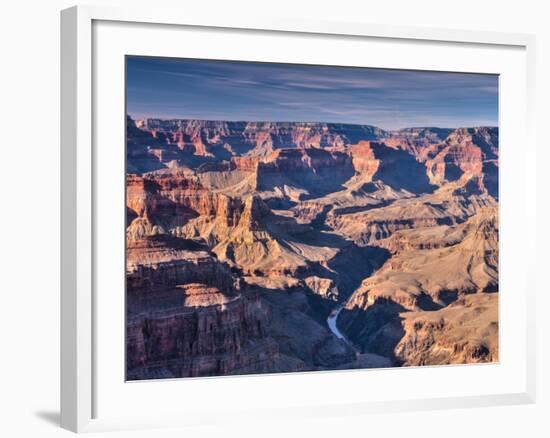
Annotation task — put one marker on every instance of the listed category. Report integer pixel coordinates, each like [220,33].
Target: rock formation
[244,237]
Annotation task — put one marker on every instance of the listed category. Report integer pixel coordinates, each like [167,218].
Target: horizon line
[317,121]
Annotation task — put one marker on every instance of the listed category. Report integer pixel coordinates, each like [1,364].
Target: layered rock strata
[243,238]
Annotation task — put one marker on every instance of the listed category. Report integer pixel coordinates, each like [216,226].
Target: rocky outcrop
[464,332]
[196,330]
[282,246]
[205,139]
[323,287]
[456,261]
[447,153]
[465,152]
[170,200]
[161,261]
[364,159]
[189,316]
[303,173]
[449,205]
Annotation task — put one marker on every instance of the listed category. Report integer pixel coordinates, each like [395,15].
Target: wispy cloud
[261,91]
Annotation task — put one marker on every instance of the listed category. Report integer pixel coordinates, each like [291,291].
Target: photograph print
[292,218]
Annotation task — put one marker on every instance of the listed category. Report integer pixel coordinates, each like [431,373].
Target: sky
[234,90]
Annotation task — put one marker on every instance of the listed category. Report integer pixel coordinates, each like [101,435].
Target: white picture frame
[80,170]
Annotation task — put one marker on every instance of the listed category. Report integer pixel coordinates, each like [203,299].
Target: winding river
[333,316]
[331,322]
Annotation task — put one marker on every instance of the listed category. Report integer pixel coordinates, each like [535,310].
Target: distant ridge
[151,121]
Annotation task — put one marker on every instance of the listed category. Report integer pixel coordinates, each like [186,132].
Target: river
[331,322]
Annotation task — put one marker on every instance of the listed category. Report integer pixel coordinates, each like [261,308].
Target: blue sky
[390,99]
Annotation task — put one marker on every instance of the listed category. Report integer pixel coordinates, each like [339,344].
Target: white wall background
[29,215]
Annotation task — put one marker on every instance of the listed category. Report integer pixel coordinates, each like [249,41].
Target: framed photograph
[268,218]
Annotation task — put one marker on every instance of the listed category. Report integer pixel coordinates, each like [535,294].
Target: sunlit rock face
[242,238]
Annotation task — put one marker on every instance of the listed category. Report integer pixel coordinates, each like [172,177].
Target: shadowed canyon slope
[243,238]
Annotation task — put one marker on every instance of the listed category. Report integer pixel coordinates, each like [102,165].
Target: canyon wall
[244,237]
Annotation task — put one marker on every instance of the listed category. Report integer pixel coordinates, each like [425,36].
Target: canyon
[267,247]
